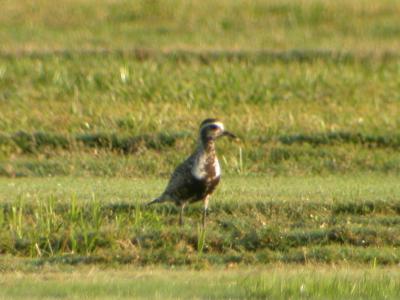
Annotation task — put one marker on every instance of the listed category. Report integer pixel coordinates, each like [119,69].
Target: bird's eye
[213,127]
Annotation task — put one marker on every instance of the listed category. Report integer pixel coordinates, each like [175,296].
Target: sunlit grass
[277,282]
[74,116]
[78,96]
[252,220]
[99,100]
[279,24]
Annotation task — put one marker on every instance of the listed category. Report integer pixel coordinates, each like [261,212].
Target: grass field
[256,283]
[278,24]
[253,220]
[322,237]
[99,100]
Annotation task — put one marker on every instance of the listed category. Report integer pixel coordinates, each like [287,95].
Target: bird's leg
[181,214]
[205,211]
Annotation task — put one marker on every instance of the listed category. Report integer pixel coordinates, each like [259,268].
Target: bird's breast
[206,168]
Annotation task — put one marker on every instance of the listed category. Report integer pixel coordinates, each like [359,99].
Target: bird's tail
[157,200]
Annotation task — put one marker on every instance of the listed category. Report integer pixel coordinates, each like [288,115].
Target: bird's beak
[230,135]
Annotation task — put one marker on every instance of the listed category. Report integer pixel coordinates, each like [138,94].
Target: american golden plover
[197,177]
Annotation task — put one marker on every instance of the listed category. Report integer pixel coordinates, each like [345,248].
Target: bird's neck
[206,165]
[207,146]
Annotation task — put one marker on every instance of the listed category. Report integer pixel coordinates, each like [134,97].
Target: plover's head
[211,129]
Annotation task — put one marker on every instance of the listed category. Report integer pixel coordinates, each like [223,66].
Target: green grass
[279,24]
[324,189]
[313,281]
[115,94]
[121,93]
[252,221]
[99,100]
[96,116]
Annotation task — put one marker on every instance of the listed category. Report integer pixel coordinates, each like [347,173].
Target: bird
[196,178]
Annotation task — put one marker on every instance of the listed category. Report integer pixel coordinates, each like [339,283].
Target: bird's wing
[178,187]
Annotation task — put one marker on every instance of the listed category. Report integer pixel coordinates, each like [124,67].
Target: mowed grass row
[278,24]
[116,115]
[273,281]
[40,154]
[315,220]
[117,94]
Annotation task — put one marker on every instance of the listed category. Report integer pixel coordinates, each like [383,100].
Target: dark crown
[210,120]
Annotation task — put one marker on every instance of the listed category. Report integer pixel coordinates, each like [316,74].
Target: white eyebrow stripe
[219,124]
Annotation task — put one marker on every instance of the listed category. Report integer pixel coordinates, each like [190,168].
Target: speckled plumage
[184,186]
[197,177]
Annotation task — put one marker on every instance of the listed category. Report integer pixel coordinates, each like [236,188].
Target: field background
[99,100]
